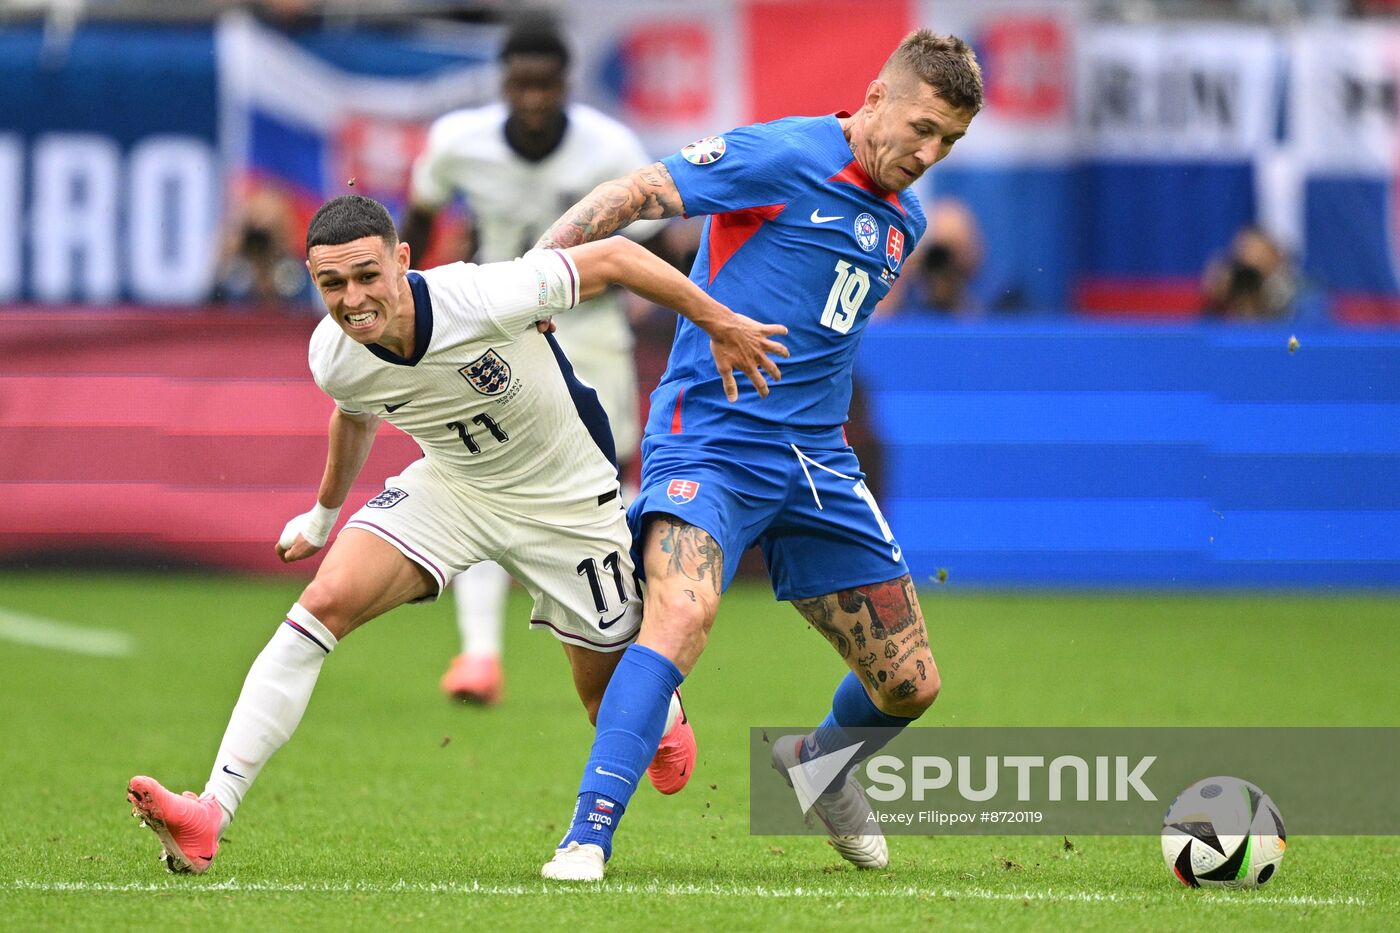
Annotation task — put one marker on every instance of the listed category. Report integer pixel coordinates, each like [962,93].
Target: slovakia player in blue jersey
[810,221]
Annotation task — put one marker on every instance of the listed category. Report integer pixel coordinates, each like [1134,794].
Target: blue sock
[851,708]
[630,722]
[595,817]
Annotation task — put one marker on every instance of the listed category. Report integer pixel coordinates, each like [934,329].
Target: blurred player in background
[516,468]
[810,219]
[518,165]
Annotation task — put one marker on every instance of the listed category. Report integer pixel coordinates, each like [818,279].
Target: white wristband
[315,526]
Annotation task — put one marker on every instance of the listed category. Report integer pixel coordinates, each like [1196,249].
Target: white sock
[274,696]
[673,715]
[480,592]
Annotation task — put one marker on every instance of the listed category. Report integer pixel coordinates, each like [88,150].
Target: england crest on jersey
[894,249]
[488,373]
[390,497]
[867,231]
[682,491]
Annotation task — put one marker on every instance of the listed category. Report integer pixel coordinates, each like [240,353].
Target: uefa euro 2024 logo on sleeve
[704,151]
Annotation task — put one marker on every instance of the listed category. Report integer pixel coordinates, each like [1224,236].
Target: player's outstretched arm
[647,194]
[737,342]
[351,437]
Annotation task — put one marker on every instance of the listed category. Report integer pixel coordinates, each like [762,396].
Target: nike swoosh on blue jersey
[817,217]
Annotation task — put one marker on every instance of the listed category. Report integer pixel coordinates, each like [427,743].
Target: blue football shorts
[809,510]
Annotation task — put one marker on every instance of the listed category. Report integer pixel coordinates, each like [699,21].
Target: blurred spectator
[260,263]
[941,269]
[1253,280]
[1376,7]
[951,258]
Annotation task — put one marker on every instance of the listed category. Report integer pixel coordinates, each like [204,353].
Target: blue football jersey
[797,234]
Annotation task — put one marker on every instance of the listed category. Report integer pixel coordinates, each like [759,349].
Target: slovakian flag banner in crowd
[337,114]
[1345,127]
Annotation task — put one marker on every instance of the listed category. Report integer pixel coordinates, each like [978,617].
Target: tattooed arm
[647,194]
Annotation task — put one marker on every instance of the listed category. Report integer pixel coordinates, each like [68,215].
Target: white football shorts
[575,561]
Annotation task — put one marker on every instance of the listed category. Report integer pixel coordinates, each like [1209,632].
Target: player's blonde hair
[945,63]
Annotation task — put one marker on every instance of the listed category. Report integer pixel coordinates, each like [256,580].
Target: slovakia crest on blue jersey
[682,491]
[867,232]
[488,373]
[894,249]
[704,151]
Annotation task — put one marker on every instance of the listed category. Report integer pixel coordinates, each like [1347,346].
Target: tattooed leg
[879,632]
[685,574]
[818,612]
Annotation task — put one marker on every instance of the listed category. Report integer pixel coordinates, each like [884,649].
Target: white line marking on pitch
[63,636]
[668,890]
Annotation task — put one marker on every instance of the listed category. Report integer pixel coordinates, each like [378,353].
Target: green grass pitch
[391,807]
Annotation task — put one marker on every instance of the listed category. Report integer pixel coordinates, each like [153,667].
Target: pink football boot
[187,826]
[474,679]
[675,756]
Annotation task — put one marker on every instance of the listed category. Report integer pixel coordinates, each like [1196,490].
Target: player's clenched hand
[306,534]
[298,550]
[743,344]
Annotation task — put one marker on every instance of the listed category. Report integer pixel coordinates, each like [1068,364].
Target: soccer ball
[1223,832]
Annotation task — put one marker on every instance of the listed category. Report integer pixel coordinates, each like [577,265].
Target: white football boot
[845,812]
[575,862]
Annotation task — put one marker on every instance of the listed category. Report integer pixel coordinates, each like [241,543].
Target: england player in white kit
[516,466]
[518,165]
[510,471]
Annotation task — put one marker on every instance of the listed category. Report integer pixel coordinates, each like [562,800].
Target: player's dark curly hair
[535,34]
[945,63]
[348,218]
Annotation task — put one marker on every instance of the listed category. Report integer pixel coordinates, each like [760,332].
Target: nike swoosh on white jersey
[610,774]
[817,217]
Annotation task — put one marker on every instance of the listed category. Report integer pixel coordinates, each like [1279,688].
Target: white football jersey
[513,201]
[485,394]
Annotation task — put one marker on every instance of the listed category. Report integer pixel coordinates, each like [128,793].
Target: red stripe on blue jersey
[676,415]
[853,174]
[729,232]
